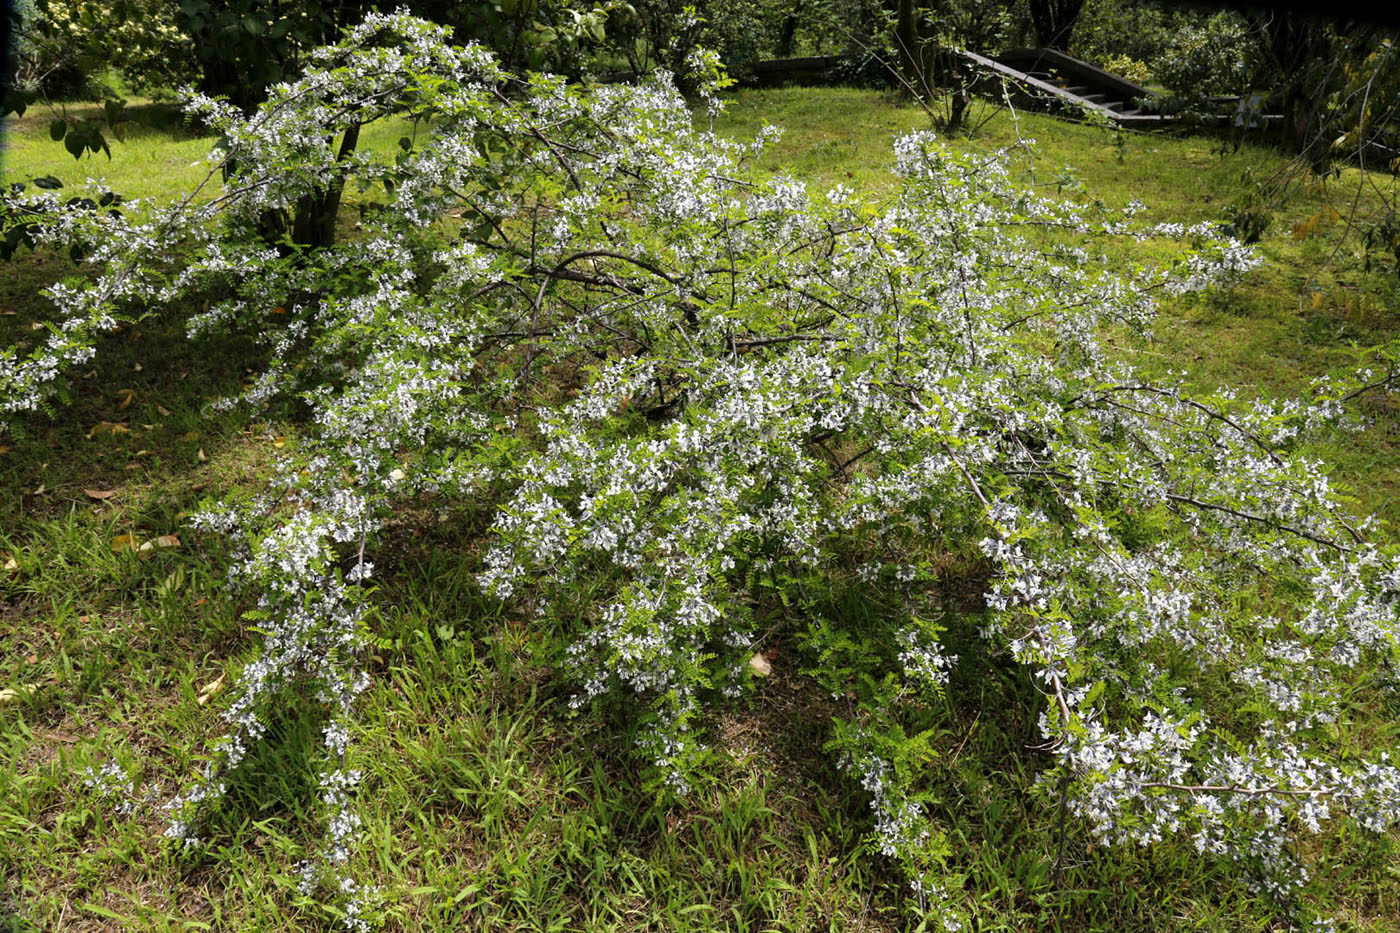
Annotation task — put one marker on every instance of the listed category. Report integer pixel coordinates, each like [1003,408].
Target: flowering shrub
[697,394]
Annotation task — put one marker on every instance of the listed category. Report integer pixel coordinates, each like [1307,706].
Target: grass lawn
[487,805]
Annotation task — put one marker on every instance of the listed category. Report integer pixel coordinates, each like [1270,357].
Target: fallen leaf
[168,541]
[127,396]
[210,689]
[201,601]
[144,453]
[279,310]
[200,455]
[191,436]
[133,466]
[11,694]
[164,412]
[759,665]
[32,659]
[41,490]
[11,564]
[123,543]
[280,441]
[86,619]
[101,493]
[137,367]
[107,427]
[397,475]
[4,449]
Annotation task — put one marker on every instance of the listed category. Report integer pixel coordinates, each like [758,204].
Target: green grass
[487,804]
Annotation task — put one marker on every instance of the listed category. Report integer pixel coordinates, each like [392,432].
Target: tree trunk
[314,223]
[789,32]
[1054,22]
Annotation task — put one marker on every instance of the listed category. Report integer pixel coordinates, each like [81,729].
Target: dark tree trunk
[789,32]
[906,37]
[314,223]
[1054,22]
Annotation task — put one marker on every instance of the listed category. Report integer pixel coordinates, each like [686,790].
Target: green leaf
[57,129]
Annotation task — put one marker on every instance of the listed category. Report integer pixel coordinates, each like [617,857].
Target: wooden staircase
[1046,79]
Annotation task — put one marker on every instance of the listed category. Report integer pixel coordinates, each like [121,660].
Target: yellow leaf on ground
[279,441]
[210,689]
[100,493]
[11,564]
[123,543]
[759,665]
[107,427]
[11,694]
[201,455]
[168,541]
[41,490]
[164,412]
[127,396]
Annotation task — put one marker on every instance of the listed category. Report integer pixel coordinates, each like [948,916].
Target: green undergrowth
[487,803]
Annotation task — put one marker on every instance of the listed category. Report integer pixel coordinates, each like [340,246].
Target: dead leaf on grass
[123,543]
[108,427]
[200,456]
[164,412]
[209,690]
[760,665]
[100,493]
[11,694]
